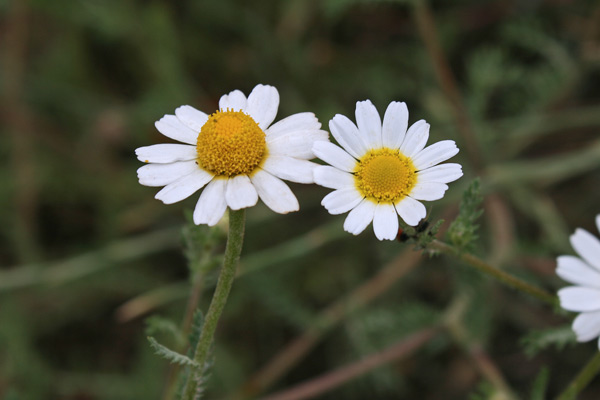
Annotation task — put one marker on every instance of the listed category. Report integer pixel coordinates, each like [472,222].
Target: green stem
[583,378]
[235,239]
[498,274]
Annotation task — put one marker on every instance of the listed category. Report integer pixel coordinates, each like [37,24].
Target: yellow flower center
[385,175]
[230,143]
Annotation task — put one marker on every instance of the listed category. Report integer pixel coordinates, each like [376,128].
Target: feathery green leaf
[539,340]
[173,356]
[463,230]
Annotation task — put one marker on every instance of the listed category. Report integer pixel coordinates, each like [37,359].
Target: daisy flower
[235,154]
[584,273]
[382,170]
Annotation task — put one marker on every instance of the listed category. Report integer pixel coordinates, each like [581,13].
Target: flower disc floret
[230,143]
[385,175]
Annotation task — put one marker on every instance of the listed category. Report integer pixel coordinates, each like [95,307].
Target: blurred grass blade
[61,272]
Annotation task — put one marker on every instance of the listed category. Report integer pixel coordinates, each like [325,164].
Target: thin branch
[482,362]
[149,301]
[445,77]
[496,273]
[488,369]
[18,120]
[70,269]
[282,362]
[427,29]
[338,377]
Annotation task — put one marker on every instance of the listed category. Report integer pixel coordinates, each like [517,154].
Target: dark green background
[83,83]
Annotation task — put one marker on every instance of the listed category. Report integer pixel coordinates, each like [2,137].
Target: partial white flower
[382,170]
[235,154]
[584,273]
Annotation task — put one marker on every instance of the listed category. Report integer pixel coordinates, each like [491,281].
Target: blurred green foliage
[87,253]
[462,232]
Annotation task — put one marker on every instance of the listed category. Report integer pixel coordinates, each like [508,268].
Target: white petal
[385,222]
[428,191]
[296,144]
[332,178]
[576,298]
[395,122]
[360,217]
[341,200]
[444,173]
[173,128]
[347,135]
[234,101]
[274,193]
[411,210]
[333,155]
[163,174]
[587,326]
[263,103]
[369,123]
[211,205]
[415,138]
[192,118]
[240,193]
[598,222]
[435,154]
[298,122]
[166,153]
[573,270]
[184,187]
[587,246]
[290,169]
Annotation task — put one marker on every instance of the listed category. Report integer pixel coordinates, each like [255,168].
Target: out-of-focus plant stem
[482,362]
[549,170]
[80,266]
[18,120]
[293,248]
[496,273]
[494,204]
[64,271]
[338,377]
[197,281]
[233,249]
[443,73]
[519,132]
[283,361]
[542,208]
[583,378]
[149,301]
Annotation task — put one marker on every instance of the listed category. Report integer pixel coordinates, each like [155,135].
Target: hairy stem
[233,249]
[496,273]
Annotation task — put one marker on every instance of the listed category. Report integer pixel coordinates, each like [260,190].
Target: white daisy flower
[584,273]
[235,152]
[383,170]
